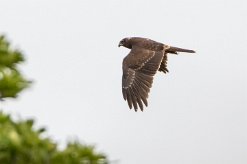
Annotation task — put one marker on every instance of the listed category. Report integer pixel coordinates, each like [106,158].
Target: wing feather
[138,96]
[133,97]
[163,65]
[129,98]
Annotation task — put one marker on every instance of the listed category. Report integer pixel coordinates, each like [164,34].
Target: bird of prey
[145,58]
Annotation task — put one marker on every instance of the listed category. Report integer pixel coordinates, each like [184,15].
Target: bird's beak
[120,44]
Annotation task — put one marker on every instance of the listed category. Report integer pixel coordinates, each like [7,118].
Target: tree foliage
[20,142]
[11,80]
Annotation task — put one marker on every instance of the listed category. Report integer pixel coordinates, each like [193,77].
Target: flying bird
[145,58]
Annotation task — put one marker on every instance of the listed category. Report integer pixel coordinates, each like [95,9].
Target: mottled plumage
[140,65]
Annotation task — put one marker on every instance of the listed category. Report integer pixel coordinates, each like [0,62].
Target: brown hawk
[140,65]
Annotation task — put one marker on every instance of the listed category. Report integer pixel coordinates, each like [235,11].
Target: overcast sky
[197,112]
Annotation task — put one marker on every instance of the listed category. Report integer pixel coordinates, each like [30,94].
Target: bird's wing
[139,67]
[163,65]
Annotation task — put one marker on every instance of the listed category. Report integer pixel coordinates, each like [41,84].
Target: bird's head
[125,42]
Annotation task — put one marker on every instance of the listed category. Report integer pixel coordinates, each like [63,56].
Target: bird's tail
[175,50]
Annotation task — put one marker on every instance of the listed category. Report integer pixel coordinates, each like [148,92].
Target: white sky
[197,112]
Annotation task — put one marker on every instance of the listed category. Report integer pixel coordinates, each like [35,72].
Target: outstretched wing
[139,67]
